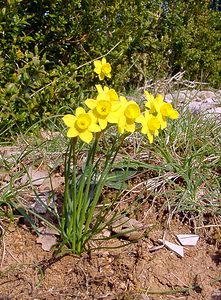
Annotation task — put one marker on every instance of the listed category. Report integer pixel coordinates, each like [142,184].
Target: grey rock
[216,110]
[197,102]
[194,107]
[204,95]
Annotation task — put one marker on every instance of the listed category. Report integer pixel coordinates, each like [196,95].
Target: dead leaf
[144,297]
[36,176]
[155,248]
[48,135]
[51,184]
[48,230]
[106,233]
[47,241]
[128,228]
[43,201]
[9,151]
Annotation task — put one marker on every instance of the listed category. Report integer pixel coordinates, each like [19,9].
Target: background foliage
[43,43]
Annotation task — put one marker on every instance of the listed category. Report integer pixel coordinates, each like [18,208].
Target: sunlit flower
[150,125]
[81,124]
[128,113]
[104,110]
[161,109]
[102,68]
[110,93]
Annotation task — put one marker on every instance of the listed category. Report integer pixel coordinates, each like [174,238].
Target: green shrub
[43,43]
[195,40]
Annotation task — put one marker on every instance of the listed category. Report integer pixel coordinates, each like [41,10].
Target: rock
[216,295]
[204,95]
[197,102]
[216,110]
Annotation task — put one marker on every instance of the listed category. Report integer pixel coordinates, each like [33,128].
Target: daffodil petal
[140,119]
[156,132]
[97,64]
[121,124]
[102,123]
[163,124]
[115,106]
[144,129]
[149,96]
[69,120]
[123,100]
[113,95]
[94,128]
[97,71]
[114,117]
[130,127]
[93,117]
[103,96]
[79,111]
[86,136]
[91,103]
[106,89]
[99,88]
[101,76]
[150,137]
[159,99]
[72,132]
[174,114]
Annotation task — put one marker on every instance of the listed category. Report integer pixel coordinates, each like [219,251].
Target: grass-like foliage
[191,151]
[182,159]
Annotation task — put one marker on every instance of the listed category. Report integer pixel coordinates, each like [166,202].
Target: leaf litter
[47,237]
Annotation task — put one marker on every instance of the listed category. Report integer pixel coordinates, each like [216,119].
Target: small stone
[216,295]
[206,94]
[216,110]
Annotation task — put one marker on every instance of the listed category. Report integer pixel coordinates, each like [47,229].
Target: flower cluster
[110,108]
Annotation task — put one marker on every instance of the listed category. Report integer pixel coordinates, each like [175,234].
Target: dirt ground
[131,272]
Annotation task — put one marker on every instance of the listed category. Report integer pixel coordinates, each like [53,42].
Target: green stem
[82,208]
[107,166]
[73,187]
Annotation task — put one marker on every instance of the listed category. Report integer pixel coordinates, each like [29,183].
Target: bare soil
[131,272]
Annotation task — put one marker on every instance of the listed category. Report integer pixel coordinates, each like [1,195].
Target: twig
[169,292]
[89,62]
[208,226]
[18,261]
[41,89]
[3,243]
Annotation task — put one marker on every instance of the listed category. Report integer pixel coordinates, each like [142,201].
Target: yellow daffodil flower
[81,124]
[102,68]
[150,125]
[111,93]
[128,113]
[161,109]
[104,110]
